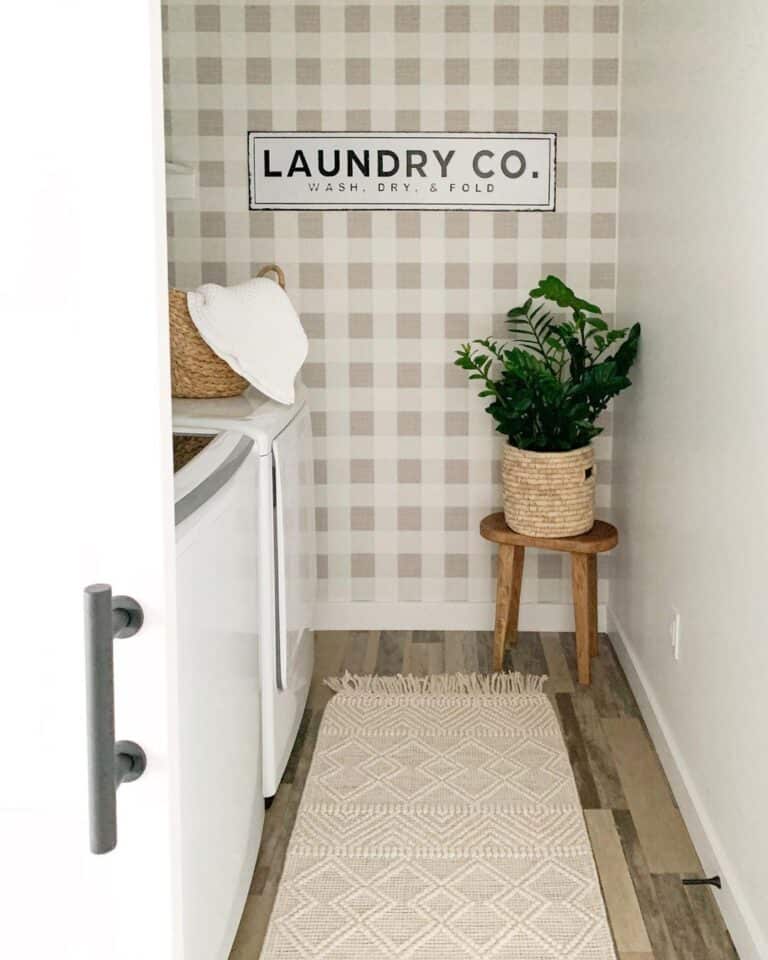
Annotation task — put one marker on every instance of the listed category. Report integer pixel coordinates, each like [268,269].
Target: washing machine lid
[251,414]
[207,472]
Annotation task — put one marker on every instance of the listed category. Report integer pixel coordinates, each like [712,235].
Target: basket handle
[273,268]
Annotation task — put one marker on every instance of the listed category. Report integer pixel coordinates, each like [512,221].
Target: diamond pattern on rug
[439,827]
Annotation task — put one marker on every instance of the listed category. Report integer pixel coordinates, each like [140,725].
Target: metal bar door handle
[109,763]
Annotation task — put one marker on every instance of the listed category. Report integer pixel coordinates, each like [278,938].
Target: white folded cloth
[255,328]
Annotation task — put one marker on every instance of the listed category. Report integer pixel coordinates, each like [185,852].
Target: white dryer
[284,501]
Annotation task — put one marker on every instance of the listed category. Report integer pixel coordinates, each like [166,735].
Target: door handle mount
[110,763]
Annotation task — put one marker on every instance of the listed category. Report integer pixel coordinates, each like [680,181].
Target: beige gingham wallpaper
[407,461]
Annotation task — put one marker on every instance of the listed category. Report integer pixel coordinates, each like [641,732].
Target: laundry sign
[401,171]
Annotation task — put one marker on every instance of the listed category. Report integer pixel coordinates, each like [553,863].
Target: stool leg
[580,583]
[592,593]
[518,562]
[508,583]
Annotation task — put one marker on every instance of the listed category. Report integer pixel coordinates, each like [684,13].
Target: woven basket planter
[549,494]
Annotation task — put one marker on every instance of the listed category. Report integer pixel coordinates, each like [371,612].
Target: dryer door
[295,559]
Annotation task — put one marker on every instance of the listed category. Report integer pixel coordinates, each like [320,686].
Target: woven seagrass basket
[196,371]
[549,494]
[186,447]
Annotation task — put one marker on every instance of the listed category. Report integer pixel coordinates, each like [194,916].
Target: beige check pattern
[407,461]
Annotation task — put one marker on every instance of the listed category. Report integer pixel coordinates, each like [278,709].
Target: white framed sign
[401,171]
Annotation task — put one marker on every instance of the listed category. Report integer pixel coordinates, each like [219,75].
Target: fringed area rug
[439,821]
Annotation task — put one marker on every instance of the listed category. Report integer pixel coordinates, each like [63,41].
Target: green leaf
[520,311]
[625,355]
[597,323]
[553,288]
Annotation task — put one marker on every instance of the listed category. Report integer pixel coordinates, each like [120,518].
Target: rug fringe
[438,683]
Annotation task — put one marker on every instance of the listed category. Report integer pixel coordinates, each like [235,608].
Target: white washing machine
[221,801]
[284,501]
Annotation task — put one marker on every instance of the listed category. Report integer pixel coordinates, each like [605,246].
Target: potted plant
[548,388]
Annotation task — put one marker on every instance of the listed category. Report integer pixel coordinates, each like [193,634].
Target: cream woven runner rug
[439,821]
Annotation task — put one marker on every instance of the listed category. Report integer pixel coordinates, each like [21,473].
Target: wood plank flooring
[642,848]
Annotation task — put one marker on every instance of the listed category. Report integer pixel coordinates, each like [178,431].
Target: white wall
[691,437]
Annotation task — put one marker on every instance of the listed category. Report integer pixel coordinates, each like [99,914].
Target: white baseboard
[442,616]
[740,921]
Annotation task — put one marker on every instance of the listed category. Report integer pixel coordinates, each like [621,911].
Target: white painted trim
[441,616]
[741,923]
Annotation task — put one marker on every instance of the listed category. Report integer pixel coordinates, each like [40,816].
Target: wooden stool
[583,550]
